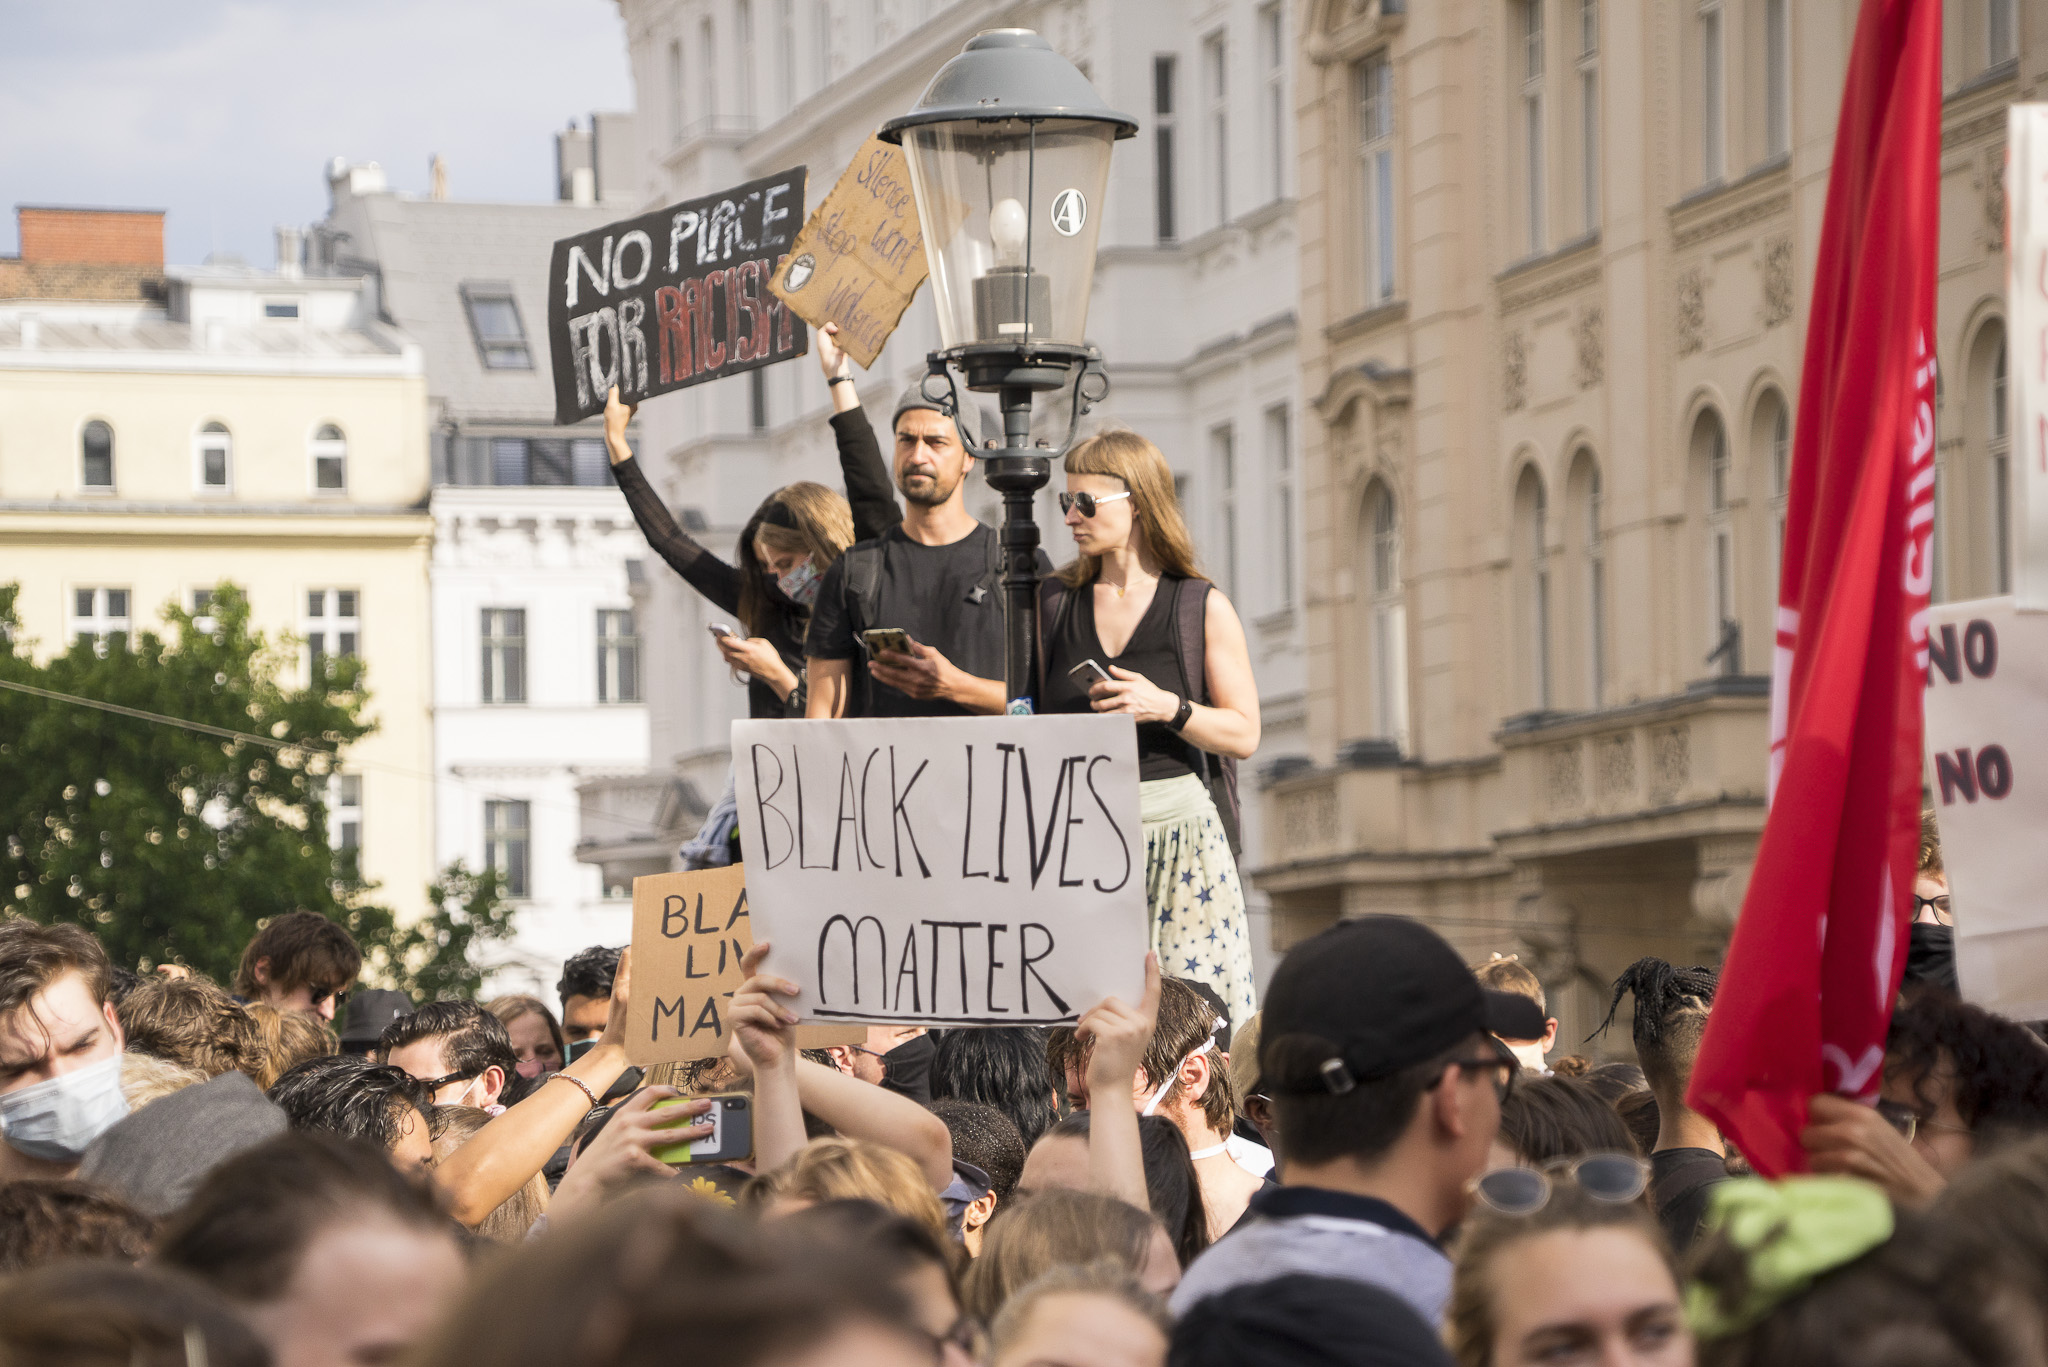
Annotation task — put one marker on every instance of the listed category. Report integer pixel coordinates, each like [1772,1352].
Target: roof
[145,339]
[425,250]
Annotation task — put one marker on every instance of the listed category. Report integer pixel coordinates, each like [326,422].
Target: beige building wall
[160,534]
[1556,259]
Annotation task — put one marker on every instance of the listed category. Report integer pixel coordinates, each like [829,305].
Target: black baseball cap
[1367,998]
[369,1010]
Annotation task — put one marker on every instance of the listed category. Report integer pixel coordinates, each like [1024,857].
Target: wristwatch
[1180,717]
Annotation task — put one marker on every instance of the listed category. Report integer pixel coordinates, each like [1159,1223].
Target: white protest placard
[946,871]
[1987,754]
[2026,288]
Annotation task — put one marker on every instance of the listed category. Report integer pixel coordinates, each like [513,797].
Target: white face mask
[800,585]
[1531,1055]
[1174,1076]
[57,1120]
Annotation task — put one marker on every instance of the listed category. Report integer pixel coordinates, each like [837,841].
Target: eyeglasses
[1088,503]
[436,1084]
[1908,1123]
[1503,1065]
[1937,905]
[1613,1177]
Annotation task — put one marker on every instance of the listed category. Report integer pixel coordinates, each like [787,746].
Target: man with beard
[937,578]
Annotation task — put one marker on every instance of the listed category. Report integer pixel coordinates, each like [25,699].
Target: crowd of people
[1393,1161]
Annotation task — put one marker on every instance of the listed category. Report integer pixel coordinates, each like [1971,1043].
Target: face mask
[1931,956]
[800,585]
[1530,1055]
[907,1069]
[57,1120]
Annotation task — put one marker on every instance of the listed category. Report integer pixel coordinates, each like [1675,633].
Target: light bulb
[1006,225]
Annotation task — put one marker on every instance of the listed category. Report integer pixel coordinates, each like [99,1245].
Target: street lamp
[1008,152]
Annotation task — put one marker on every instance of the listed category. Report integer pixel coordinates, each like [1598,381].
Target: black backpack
[1190,629]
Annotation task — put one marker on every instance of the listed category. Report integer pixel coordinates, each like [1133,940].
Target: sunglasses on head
[1088,503]
[1612,1177]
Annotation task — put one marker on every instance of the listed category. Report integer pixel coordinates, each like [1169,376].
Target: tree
[171,843]
[431,959]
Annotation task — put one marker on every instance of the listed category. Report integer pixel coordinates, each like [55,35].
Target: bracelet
[1180,716]
[581,1086]
[838,379]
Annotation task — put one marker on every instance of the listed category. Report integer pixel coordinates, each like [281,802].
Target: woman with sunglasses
[1131,626]
[1565,1264]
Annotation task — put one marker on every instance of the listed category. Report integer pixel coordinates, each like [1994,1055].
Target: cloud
[226,112]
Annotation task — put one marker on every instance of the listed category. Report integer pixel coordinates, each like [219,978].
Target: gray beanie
[157,1157]
[967,420]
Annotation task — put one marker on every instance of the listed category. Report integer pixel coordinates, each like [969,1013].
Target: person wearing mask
[300,961]
[537,1041]
[898,1057]
[1931,941]
[1689,1158]
[333,1256]
[1375,1047]
[936,577]
[60,1049]
[585,988]
[1535,1037]
[458,1049]
[1131,627]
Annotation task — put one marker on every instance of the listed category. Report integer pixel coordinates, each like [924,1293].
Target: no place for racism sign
[674,298]
[952,871]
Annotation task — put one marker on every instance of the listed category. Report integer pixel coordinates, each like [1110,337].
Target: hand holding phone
[1088,673]
[721,630]
[731,1140]
[886,641]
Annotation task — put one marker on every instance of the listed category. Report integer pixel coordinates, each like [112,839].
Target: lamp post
[1008,151]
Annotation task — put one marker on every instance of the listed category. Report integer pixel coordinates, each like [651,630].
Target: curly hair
[2001,1068]
[191,1021]
[1671,1006]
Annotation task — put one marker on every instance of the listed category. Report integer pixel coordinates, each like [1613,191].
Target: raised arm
[868,486]
[764,1040]
[1120,1033]
[862,1110]
[703,571]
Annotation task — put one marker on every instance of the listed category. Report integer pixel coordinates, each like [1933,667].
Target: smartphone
[885,640]
[1080,672]
[731,1140]
[721,629]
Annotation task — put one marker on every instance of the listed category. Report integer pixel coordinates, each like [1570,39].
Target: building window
[590,462]
[281,308]
[345,824]
[1781,486]
[494,323]
[1273,31]
[1589,114]
[1532,123]
[1777,78]
[1389,618]
[2001,473]
[1533,507]
[96,451]
[618,656]
[99,619]
[1724,632]
[202,612]
[821,42]
[1216,70]
[675,90]
[1596,590]
[330,460]
[504,661]
[507,842]
[1280,460]
[743,66]
[1164,70]
[210,457]
[1372,87]
[333,627]
[1223,458]
[2002,31]
[1713,95]
[707,68]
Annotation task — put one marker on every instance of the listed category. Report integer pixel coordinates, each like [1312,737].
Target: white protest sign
[2026,288]
[946,871]
[1987,751]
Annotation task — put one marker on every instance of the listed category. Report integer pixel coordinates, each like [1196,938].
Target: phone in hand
[886,641]
[1088,673]
[731,1140]
[721,630]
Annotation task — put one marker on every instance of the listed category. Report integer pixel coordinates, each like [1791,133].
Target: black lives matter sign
[674,298]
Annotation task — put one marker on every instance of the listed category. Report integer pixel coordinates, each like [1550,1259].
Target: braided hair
[1671,1007]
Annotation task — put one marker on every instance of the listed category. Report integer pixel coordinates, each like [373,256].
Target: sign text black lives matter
[675,297]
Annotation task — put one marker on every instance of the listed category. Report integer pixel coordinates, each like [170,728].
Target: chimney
[437,172]
[574,164]
[291,246]
[92,237]
[583,186]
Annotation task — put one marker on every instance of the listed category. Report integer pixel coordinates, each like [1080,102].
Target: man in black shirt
[937,577]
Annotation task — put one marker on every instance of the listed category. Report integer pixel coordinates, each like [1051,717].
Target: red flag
[1806,993]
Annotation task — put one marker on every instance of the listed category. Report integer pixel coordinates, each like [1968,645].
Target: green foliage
[168,843]
[431,959]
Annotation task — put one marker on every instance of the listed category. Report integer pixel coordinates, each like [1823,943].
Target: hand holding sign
[763,1027]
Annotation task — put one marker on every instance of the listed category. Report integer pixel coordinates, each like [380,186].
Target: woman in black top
[1171,653]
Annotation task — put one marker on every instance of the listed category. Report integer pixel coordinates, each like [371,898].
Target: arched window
[1532,558]
[1770,444]
[96,456]
[1589,588]
[2000,448]
[211,454]
[330,460]
[1723,620]
[1388,616]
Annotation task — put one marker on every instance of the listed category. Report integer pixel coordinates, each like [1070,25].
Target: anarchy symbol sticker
[1069,212]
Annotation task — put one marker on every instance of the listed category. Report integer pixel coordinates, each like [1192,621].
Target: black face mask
[1931,956]
[907,1069]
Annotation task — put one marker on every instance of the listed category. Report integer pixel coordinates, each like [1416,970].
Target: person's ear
[1194,1077]
[494,1084]
[1549,1034]
[979,1212]
[1447,1103]
[261,972]
[114,1024]
[842,1057]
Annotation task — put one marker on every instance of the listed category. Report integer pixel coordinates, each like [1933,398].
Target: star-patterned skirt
[1197,903]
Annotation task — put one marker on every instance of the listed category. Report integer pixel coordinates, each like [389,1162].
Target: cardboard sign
[860,258]
[1987,762]
[690,931]
[950,871]
[2026,291]
[673,298]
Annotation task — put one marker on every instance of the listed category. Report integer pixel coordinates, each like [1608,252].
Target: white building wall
[1197,332]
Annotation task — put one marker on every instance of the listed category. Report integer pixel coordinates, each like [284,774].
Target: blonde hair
[147,1077]
[1138,463]
[852,1169]
[287,1038]
[1105,1277]
[823,531]
[1507,973]
[1049,1229]
[455,1126]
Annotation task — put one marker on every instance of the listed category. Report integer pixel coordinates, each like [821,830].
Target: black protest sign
[674,298]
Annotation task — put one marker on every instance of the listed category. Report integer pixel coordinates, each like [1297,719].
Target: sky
[225,113]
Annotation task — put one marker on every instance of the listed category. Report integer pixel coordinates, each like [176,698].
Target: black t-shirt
[1680,1182]
[1071,637]
[946,597]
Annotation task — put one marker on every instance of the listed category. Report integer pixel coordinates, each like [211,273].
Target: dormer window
[494,320]
[280,308]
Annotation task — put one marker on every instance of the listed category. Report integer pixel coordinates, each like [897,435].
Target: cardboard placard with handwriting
[860,256]
[690,931]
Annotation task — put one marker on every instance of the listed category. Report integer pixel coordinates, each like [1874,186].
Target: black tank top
[1161,751]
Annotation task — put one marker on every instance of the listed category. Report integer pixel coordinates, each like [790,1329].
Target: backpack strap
[1055,602]
[1191,637]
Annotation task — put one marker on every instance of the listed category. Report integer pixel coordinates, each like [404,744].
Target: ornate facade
[1555,266]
